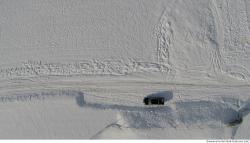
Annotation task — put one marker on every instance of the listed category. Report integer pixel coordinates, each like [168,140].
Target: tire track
[247,5]
[216,60]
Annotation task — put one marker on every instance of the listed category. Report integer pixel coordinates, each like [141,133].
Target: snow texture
[81,69]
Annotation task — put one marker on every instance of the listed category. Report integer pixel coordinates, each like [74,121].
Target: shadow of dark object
[127,108]
[82,103]
[80,99]
[158,98]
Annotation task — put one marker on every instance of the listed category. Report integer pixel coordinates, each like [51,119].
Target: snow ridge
[94,67]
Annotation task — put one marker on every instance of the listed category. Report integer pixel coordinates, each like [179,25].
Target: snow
[81,69]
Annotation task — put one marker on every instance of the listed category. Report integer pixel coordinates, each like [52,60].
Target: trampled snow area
[80,69]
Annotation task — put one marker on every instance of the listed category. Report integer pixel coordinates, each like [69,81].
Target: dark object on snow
[158,98]
[236,121]
[153,101]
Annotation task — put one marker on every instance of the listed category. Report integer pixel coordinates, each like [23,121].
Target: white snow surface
[79,69]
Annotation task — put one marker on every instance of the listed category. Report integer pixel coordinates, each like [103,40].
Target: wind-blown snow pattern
[81,69]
